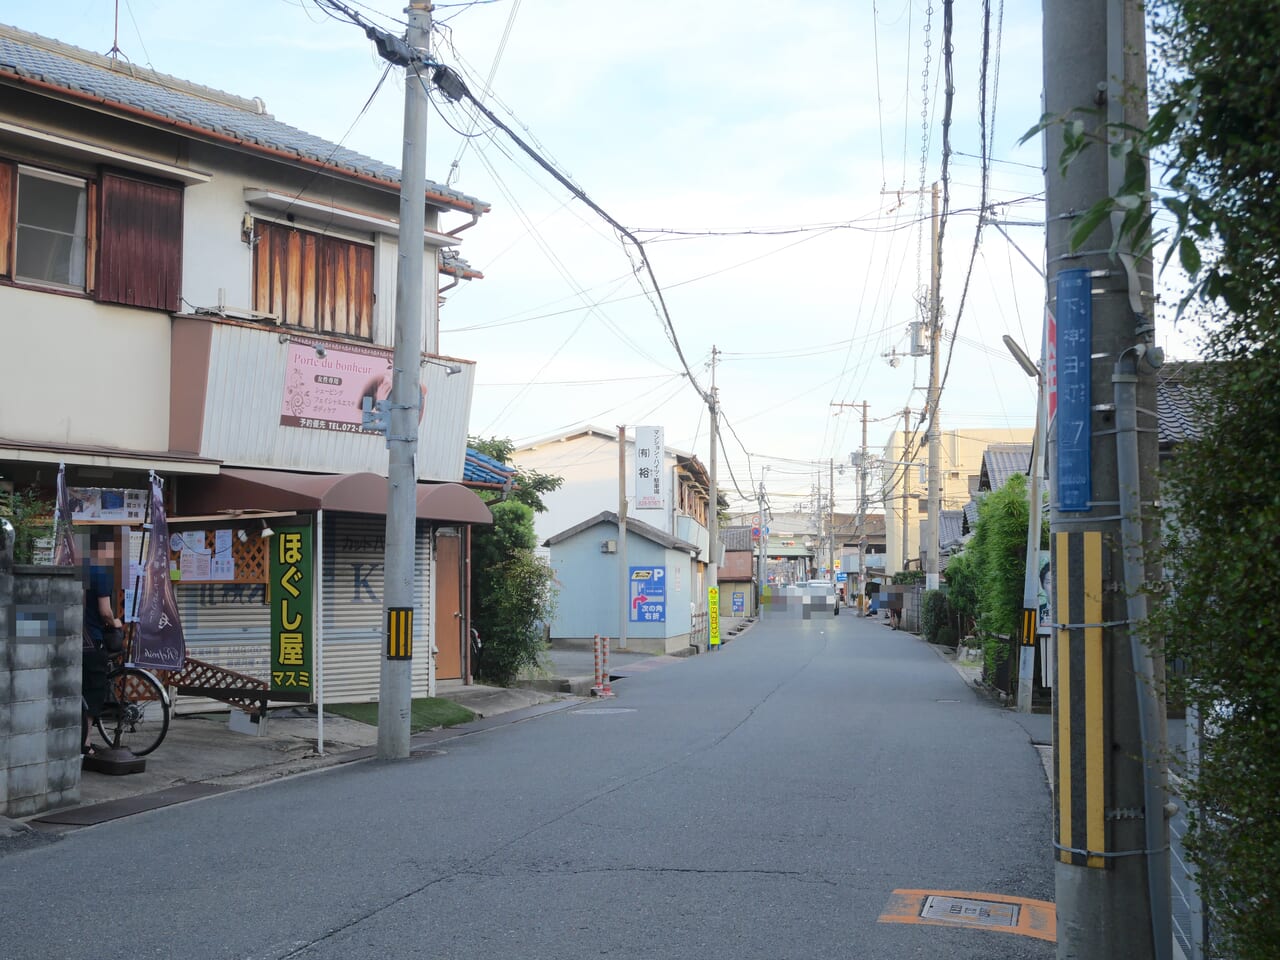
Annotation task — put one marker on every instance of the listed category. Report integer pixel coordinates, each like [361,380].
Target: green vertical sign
[292,630]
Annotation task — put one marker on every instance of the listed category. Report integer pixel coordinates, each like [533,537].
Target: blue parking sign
[648,595]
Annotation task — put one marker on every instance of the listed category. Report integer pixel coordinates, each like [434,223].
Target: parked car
[820,595]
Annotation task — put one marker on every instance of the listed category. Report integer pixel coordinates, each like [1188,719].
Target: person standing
[101,629]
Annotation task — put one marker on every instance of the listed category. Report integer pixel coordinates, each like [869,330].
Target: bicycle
[136,713]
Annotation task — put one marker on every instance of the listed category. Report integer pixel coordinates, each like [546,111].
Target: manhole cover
[595,711]
[427,753]
[978,913]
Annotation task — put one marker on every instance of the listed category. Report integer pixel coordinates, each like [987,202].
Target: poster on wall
[648,595]
[107,503]
[325,385]
[648,466]
[292,630]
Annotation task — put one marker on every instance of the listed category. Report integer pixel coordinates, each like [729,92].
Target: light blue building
[661,587]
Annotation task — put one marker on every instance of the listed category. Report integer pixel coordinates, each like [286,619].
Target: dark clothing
[93,675]
[93,680]
[101,584]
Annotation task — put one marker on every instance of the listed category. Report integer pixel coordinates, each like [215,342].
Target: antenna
[115,52]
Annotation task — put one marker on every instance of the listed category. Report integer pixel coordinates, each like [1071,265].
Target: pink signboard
[327,392]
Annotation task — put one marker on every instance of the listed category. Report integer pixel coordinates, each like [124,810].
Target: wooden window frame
[319,282]
[133,236]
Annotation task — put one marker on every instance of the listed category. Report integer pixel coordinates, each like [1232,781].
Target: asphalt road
[762,801]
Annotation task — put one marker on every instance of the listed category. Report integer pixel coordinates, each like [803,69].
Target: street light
[1031,578]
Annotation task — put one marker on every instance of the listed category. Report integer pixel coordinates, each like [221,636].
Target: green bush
[514,594]
[946,636]
[933,614]
[31,514]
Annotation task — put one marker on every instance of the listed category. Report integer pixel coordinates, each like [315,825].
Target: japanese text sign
[648,595]
[326,391]
[1074,368]
[292,629]
[648,464]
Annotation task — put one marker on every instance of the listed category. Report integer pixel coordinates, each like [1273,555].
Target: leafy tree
[528,486]
[512,588]
[962,591]
[513,594]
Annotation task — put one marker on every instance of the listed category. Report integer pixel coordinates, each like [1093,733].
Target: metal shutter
[353,598]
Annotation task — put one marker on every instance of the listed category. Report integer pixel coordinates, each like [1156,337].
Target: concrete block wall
[40,627]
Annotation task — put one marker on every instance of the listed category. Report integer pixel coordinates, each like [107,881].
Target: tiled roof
[1000,461]
[636,527]
[950,528]
[29,60]
[970,512]
[1175,404]
[736,538]
[480,468]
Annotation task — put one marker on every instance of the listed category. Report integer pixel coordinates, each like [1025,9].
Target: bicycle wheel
[136,714]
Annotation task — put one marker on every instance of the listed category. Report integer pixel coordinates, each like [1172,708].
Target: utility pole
[862,512]
[624,572]
[762,572]
[1111,840]
[831,520]
[906,482]
[935,414]
[713,519]
[395,689]
[860,530]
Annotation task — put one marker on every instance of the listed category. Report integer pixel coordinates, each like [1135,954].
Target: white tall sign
[649,471]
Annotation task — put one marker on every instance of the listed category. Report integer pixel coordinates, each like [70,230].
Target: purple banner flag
[157,640]
[64,541]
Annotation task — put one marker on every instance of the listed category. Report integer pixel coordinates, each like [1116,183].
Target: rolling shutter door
[353,598]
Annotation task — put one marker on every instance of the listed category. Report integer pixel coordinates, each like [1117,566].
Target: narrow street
[762,801]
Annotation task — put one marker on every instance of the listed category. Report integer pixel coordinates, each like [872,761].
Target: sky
[769,157]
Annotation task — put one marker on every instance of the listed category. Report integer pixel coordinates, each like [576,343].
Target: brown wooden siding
[139,259]
[313,281]
[8,175]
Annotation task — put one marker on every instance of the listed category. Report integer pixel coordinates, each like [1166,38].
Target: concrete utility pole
[862,511]
[395,691]
[831,519]
[1111,832]
[762,572]
[713,519]
[935,414]
[906,482]
[624,572]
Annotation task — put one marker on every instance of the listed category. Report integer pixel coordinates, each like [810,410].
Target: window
[312,280]
[116,237]
[51,229]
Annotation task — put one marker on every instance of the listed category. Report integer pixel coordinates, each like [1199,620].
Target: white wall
[79,372]
[589,465]
[216,257]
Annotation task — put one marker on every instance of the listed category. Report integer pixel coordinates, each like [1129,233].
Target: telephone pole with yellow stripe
[1111,835]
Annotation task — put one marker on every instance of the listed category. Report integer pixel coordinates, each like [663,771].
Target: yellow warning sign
[400,633]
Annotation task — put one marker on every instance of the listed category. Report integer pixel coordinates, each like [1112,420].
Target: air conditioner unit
[608,546]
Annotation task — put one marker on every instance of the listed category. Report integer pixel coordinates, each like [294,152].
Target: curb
[70,818]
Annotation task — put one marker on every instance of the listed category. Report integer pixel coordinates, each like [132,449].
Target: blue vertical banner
[1073,348]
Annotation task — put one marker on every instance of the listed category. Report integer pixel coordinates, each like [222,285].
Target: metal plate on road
[978,913]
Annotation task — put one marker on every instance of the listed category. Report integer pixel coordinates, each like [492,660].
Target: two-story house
[189,285]
[667,543]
